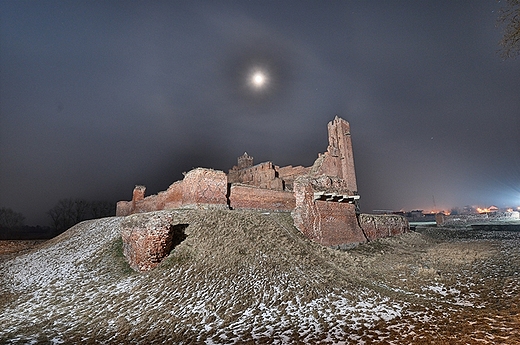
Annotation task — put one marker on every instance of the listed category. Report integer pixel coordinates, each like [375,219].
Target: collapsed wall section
[147,241]
[380,226]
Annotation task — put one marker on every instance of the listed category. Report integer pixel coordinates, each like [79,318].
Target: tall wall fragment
[339,159]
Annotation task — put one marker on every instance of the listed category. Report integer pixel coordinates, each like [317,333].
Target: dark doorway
[177,234]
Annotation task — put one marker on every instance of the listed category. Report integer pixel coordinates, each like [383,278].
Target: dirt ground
[10,247]
[470,280]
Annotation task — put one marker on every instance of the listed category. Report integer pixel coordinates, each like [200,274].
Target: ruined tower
[245,161]
[338,161]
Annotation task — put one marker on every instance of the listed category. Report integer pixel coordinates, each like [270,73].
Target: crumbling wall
[200,188]
[172,197]
[123,208]
[250,197]
[146,241]
[325,211]
[380,226]
[339,159]
[323,202]
[289,173]
[205,188]
[263,175]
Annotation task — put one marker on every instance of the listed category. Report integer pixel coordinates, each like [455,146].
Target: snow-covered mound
[238,277]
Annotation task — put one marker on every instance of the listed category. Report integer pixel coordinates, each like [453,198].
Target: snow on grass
[63,261]
[247,282]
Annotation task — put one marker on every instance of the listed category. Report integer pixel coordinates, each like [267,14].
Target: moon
[258,74]
[258,79]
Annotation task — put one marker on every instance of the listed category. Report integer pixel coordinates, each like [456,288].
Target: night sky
[98,96]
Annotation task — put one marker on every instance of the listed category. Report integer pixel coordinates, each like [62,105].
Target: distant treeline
[64,215]
[69,212]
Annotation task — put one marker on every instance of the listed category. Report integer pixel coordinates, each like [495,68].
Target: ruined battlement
[263,175]
[322,198]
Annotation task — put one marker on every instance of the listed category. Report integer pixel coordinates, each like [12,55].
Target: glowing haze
[96,97]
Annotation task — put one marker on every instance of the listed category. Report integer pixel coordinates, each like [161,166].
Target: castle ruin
[322,198]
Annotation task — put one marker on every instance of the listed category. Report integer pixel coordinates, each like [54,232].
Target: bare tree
[509,19]
[10,218]
[99,209]
[69,212]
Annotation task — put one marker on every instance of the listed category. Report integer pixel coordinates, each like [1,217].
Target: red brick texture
[263,175]
[172,197]
[322,197]
[201,188]
[146,244]
[379,226]
[249,197]
[205,188]
[289,173]
[330,223]
[123,208]
[339,159]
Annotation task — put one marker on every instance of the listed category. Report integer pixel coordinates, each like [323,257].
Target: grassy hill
[249,277]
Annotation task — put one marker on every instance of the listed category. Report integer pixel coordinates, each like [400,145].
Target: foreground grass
[244,277]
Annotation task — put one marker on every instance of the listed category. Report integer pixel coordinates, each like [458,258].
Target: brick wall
[172,197]
[330,223]
[200,188]
[289,173]
[205,188]
[146,241]
[250,197]
[380,226]
[262,175]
